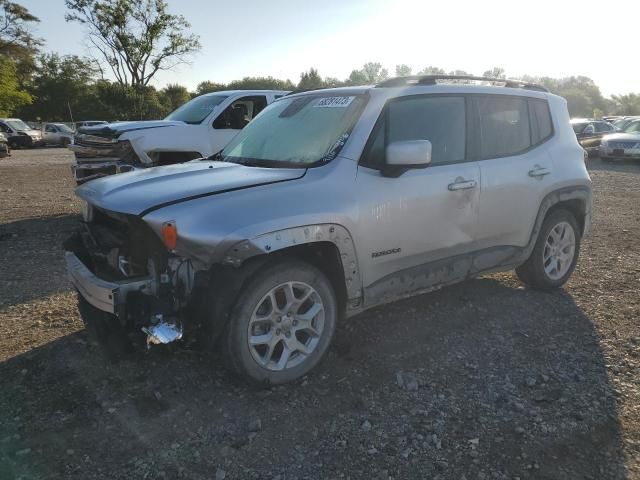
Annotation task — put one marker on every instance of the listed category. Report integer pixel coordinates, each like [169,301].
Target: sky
[282,38]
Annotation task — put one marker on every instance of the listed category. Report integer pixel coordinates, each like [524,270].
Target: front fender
[282,239]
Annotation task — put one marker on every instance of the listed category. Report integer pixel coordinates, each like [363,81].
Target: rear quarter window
[540,118]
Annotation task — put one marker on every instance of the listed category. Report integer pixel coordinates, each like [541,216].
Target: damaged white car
[199,128]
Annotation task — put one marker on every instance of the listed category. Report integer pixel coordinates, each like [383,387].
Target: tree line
[132,40]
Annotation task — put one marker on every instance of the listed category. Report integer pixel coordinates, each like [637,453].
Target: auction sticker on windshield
[333,102]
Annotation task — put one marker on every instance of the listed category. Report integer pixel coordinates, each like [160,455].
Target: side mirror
[404,155]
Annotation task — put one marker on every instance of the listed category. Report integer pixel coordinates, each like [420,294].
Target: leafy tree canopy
[16,40]
[136,38]
[11,97]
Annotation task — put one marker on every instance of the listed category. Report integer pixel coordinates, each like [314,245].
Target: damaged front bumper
[109,297]
[112,298]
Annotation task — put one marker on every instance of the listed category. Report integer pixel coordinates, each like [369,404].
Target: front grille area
[93,146]
[120,246]
[624,144]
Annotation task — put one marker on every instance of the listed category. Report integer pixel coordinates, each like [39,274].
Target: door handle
[462,185]
[539,171]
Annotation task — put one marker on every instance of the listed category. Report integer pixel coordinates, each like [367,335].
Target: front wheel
[282,324]
[555,253]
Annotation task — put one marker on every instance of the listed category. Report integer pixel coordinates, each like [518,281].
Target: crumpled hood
[142,191]
[622,136]
[114,130]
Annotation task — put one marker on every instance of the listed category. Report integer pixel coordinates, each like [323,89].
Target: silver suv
[328,203]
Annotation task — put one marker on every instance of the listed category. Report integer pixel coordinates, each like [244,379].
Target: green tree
[260,83]
[370,74]
[173,95]
[431,71]
[628,104]
[208,87]
[495,72]
[11,97]
[16,40]
[136,38]
[403,70]
[112,101]
[60,84]
[331,82]
[310,80]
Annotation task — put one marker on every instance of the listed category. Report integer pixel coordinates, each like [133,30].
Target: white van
[199,128]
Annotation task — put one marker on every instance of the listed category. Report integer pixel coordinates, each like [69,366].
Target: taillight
[170,234]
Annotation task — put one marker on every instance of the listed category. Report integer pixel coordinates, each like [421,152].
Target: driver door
[50,134]
[414,230]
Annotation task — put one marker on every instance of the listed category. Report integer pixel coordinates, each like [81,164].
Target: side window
[633,127]
[540,118]
[50,128]
[504,126]
[4,128]
[603,127]
[441,120]
[237,115]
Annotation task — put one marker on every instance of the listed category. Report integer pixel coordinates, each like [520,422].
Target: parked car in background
[57,134]
[5,149]
[19,134]
[590,132]
[328,203]
[89,123]
[199,128]
[624,121]
[622,145]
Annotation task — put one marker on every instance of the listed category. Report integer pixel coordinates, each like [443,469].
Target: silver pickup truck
[328,203]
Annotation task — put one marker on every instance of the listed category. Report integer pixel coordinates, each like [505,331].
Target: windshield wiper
[215,157]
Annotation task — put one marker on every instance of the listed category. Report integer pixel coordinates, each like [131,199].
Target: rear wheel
[282,324]
[555,254]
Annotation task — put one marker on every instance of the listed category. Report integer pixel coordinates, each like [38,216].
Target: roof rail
[415,80]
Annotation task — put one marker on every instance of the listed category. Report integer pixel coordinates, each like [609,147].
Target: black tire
[65,142]
[532,272]
[105,330]
[235,343]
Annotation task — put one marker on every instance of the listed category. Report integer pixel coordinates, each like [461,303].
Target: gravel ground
[483,380]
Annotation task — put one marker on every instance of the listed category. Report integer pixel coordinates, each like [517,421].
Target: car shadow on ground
[509,380]
[31,258]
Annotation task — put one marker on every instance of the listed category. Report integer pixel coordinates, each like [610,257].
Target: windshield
[299,130]
[18,125]
[63,128]
[196,110]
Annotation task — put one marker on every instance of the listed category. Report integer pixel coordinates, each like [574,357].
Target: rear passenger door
[515,167]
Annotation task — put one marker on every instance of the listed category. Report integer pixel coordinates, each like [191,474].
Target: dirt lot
[511,383]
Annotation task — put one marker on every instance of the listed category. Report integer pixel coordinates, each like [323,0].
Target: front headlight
[87,212]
